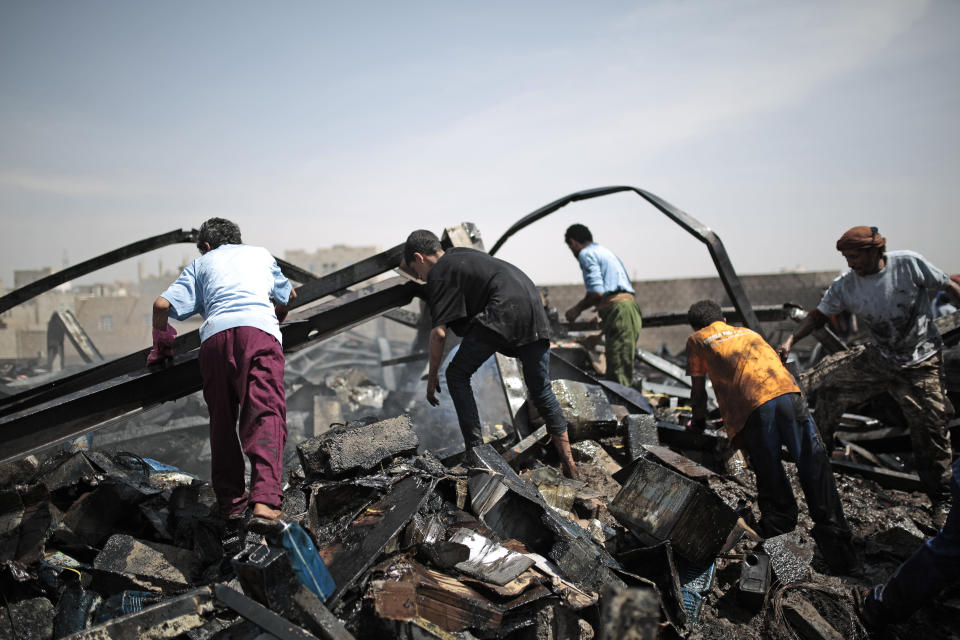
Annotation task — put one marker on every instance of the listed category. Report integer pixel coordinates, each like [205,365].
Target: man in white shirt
[891,294]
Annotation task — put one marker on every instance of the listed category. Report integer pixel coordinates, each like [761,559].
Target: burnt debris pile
[380,541]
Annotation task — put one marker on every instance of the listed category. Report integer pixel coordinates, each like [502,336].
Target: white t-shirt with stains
[894,304]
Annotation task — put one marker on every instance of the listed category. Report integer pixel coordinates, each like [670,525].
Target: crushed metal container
[586,409]
[755,578]
[638,430]
[657,504]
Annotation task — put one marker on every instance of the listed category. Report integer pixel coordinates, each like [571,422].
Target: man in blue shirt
[241,293]
[610,291]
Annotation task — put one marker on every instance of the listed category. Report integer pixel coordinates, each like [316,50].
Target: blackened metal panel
[65,416]
[728,276]
[335,282]
[42,285]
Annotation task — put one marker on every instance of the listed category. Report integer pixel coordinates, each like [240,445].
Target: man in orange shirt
[763,409]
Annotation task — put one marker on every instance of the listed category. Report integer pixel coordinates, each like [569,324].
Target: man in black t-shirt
[494,307]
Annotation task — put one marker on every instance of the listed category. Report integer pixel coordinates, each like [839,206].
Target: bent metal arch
[728,276]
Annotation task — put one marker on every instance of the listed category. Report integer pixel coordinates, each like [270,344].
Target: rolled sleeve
[281,285]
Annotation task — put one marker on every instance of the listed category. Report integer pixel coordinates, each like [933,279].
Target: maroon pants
[242,371]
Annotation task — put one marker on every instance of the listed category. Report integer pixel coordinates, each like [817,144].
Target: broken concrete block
[429,463]
[295,503]
[347,449]
[638,430]
[31,618]
[658,504]
[160,564]
[629,614]
[586,409]
[755,576]
[18,472]
[790,556]
[591,451]
[168,619]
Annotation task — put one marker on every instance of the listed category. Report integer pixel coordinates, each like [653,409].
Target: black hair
[216,232]
[421,241]
[578,232]
[704,313]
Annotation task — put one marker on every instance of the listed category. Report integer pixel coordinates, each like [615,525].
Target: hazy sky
[779,125]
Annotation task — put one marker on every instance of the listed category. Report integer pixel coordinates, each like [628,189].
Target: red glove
[162,345]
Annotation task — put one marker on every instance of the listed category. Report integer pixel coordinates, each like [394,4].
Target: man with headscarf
[891,294]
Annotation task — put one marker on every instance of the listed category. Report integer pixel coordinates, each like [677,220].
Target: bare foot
[261,510]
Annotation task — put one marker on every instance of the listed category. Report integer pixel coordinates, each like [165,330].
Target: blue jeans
[786,421]
[535,361]
[931,569]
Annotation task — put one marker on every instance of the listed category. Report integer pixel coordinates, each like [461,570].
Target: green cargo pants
[621,324]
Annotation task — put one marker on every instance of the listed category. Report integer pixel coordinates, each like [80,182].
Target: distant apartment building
[117,316]
[324,261]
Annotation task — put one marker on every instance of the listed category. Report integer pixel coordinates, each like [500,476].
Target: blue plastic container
[306,562]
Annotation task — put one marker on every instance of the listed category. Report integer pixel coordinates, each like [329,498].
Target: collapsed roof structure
[420,538]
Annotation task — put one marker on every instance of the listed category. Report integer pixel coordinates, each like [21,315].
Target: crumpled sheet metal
[489,560]
[790,556]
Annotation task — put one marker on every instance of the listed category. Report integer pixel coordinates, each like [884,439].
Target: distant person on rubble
[494,307]
[242,295]
[763,409]
[609,290]
[931,569]
[891,295]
